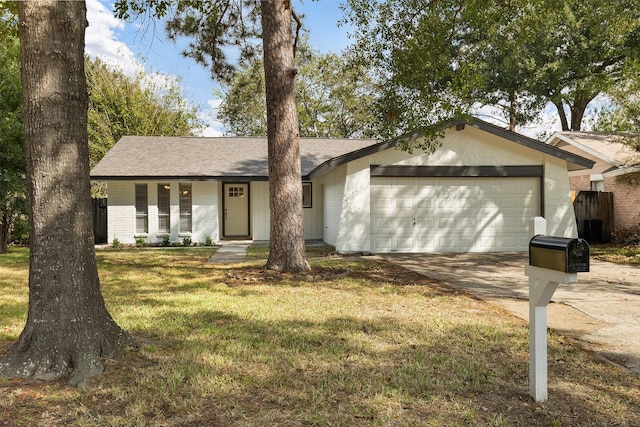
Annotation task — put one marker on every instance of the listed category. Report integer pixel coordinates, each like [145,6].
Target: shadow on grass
[346,370]
[355,351]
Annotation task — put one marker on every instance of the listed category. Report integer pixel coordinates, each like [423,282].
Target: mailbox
[559,253]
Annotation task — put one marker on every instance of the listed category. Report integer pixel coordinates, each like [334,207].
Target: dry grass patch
[360,343]
[629,255]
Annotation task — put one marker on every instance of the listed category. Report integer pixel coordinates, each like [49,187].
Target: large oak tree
[68,327]
[440,59]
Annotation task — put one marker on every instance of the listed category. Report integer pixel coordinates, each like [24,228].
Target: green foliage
[622,114]
[13,203]
[141,241]
[166,241]
[447,59]
[120,105]
[212,26]
[208,241]
[186,241]
[115,243]
[334,97]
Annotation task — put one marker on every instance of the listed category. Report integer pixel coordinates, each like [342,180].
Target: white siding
[355,231]
[313,215]
[205,211]
[260,210]
[348,203]
[260,226]
[558,210]
[121,212]
[333,197]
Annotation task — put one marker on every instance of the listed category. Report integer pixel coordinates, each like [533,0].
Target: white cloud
[213,127]
[101,40]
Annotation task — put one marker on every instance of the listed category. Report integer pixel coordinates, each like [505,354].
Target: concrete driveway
[602,311]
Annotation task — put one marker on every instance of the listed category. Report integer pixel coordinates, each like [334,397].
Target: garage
[471,212]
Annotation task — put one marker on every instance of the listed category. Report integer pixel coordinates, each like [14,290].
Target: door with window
[236,210]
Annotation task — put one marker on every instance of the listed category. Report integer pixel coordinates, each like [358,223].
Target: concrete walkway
[231,252]
[602,311]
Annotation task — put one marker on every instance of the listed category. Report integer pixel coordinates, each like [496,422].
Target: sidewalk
[231,252]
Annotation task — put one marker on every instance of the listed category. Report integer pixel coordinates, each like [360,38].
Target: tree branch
[296,18]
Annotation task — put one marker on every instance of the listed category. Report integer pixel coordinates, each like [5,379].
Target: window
[142,209]
[306,194]
[164,208]
[236,191]
[185,208]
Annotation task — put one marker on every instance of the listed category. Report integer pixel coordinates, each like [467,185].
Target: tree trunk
[580,103]
[6,225]
[563,116]
[68,326]
[286,244]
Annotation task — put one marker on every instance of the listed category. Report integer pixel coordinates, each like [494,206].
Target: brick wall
[580,183]
[626,201]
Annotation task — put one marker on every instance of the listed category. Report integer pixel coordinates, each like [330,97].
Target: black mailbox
[559,253]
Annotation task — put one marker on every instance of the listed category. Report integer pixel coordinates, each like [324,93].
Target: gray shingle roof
[206,158]
[233,158]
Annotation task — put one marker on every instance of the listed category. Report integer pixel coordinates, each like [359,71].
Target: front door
[236,210]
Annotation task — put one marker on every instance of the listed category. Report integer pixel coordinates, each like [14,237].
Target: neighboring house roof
[140,157]
[604,147]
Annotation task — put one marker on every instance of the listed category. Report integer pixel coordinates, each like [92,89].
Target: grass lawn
[618,254]
[361,343]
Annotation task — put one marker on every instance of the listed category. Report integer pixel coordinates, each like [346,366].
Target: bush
[141,242]
[626,236]
[208,241]
[166,241]
[115,243]
[186,241]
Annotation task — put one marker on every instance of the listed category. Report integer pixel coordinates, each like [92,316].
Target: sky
[138,45]
[141,45]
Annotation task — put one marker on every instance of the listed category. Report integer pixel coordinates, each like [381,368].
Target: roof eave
[621,171]
[222,178]
[584,148]
[574,162]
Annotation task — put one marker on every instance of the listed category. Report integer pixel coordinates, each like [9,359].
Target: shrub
[208,241]
[141,241]
[116,243]
[166,241]
[626,236]
[186,241]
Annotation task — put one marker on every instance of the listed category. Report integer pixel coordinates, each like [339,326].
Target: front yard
[356,343]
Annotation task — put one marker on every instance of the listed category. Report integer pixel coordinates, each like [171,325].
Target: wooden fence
[594,215]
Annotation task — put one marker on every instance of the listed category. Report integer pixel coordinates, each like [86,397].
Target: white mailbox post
[543,282]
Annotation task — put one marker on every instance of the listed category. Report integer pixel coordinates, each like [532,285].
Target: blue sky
[136,46]
[139,45]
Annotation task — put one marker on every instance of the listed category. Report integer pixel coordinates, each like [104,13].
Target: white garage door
[452,214]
